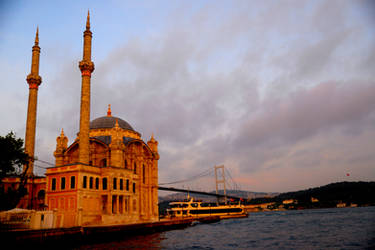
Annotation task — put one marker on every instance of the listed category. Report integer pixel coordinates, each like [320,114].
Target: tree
[12,158]
[12,155]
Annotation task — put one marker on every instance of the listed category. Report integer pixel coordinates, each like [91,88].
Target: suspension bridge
[223,179]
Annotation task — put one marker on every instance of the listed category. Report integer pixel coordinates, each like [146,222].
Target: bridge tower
[220,179]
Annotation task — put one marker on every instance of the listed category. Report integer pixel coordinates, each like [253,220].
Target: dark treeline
[360,193]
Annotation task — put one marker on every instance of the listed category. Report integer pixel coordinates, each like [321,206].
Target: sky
[282,93]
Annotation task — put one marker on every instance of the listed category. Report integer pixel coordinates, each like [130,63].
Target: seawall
[63,237]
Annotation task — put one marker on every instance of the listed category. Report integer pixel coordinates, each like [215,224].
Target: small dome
[109,122]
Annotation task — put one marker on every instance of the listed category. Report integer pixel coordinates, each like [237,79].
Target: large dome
[109,122]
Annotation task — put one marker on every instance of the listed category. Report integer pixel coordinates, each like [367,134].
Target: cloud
[275,91]
[305,112]
[309,129]
[206,111]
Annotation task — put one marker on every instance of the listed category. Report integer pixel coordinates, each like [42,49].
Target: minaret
[116,146]
[87,67]
[61,147]
[109,112]
[153,145]
[34,80]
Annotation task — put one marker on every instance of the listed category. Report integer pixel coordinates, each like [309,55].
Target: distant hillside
[207,198]
[360,193]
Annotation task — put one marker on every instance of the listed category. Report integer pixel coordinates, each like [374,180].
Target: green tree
[12,155]
[12,158]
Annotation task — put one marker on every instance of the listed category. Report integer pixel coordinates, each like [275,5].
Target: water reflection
[334,228]
[148,241]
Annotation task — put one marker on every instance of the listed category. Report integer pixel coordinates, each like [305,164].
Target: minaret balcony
[86,66]
[33,79]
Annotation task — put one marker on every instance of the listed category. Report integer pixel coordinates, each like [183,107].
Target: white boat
[194,208]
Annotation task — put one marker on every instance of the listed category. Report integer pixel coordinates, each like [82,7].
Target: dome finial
[109,112]
[152,139]
[116,125]
[62,132]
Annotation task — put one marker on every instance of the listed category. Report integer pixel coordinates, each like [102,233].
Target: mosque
[107,175]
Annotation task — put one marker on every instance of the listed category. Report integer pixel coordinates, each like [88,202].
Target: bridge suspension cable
[232,185]
[207,172]
[230,182]
[202,174]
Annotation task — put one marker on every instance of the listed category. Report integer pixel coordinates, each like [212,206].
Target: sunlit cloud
[281,93]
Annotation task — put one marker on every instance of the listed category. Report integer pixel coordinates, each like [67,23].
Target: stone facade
[119,185]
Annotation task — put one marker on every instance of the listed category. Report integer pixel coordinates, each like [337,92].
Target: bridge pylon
[220,179]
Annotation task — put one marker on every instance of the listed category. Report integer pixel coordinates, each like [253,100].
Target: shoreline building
[119,185]
[108,174]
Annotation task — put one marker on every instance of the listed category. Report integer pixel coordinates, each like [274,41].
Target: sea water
[333,228]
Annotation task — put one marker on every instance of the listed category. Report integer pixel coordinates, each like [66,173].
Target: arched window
[104,183]
[103,162]
[84,184]
[126,164]
[41,194]
[121,184]
[62,183]
[97,183]
[114,183]
[135,167]
[72,182]
[53,186]
[91,182]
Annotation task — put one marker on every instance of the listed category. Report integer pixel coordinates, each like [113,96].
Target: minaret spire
[37,36]
[87,67]
[34,80]
[88,20]
[109,112]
